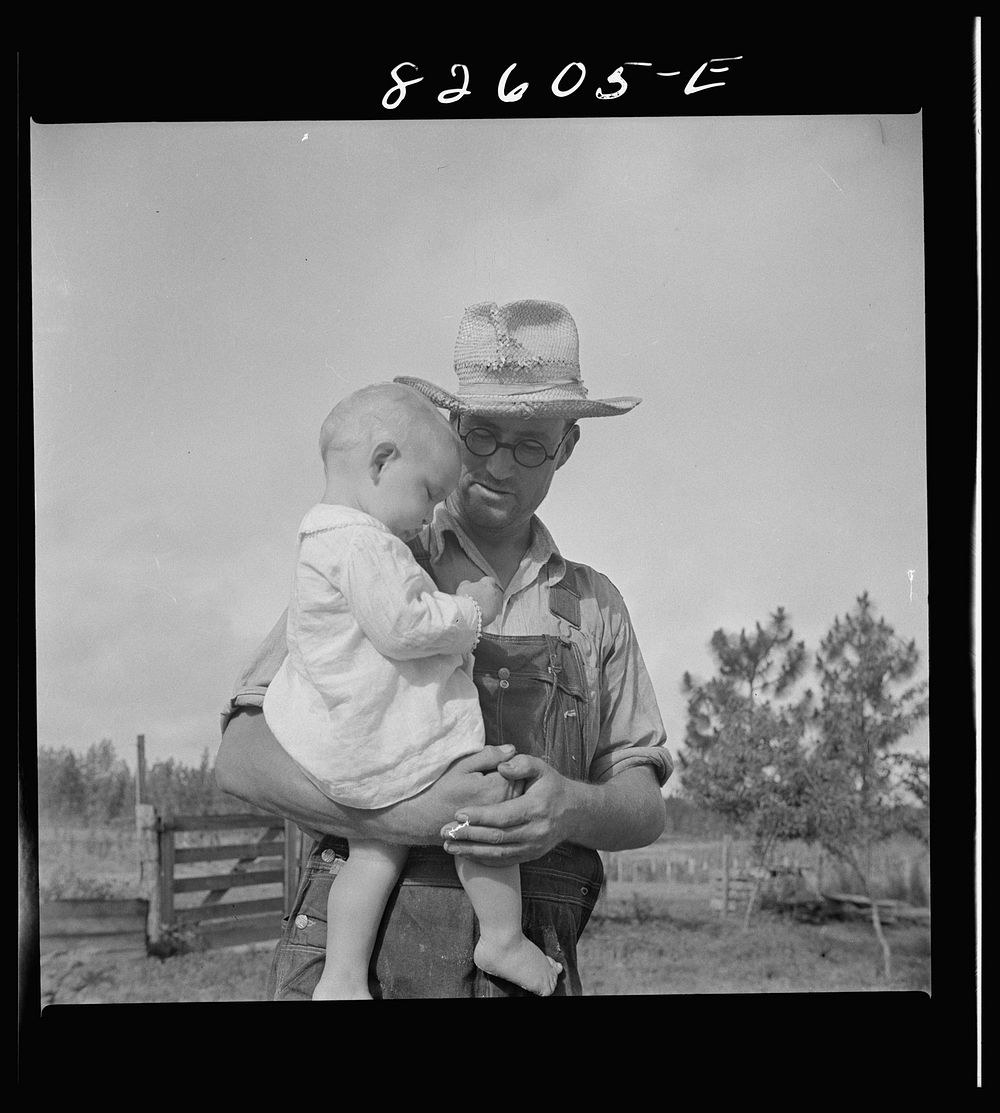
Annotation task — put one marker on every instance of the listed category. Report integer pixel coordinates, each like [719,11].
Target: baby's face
[413,483]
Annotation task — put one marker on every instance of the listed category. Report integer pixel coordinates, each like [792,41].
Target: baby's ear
[381,454]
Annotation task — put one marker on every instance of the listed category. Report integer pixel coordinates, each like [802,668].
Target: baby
[375,699]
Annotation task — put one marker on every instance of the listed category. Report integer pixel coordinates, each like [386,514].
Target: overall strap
[564,597]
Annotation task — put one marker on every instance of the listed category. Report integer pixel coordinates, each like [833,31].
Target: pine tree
[70,787]
[863,789]
[108,782]
[61,791]
[744,757]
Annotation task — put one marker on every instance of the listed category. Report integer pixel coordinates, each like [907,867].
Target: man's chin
[488,514]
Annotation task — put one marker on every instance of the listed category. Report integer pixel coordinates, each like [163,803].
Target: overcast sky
[203,293]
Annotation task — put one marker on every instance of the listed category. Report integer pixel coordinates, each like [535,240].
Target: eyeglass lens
[529,454]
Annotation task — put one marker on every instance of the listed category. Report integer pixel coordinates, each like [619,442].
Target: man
[560,678]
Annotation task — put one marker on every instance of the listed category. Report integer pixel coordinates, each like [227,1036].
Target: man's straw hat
[521,359]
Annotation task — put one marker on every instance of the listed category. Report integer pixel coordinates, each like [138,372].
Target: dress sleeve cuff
[473,614]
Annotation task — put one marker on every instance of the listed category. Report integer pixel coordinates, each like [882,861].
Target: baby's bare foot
[518,960]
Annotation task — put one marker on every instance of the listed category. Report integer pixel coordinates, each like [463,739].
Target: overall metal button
[301,921]
[328,855]
[504,673]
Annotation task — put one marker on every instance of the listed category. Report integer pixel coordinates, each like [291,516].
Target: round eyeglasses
[528,453]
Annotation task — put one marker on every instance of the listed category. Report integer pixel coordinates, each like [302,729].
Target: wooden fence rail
[107,925]
[215,922]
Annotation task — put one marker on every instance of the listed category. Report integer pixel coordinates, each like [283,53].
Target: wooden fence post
[147,837]
[140,769]
[725,876]
[166,840]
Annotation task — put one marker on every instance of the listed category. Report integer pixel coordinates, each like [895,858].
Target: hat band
[498,389]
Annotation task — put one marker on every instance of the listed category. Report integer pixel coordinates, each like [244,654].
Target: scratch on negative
[156,559]
[830,176]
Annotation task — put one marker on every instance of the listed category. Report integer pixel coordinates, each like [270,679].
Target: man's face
[496,494]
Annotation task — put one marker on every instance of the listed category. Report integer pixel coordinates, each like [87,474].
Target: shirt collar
[542,551]
[328,515]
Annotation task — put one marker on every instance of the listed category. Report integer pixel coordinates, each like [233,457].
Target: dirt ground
[636,947]
[646,938]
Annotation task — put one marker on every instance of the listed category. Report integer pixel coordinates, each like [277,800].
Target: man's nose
[502,465]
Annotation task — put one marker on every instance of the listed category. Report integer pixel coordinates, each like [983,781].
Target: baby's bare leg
[354,911]
[503,950]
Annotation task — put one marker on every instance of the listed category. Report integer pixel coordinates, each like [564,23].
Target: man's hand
[470,779]
[520,829]
[623,812]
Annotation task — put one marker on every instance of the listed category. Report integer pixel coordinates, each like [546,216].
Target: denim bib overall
[532,693]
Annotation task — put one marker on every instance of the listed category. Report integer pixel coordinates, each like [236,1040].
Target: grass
[645,939]
[77,977]
[641,948]
[676,944]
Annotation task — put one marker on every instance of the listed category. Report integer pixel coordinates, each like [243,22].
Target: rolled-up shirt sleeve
[631,730]
[251,685]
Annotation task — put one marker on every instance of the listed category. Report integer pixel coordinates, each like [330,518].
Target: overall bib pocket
[533,694]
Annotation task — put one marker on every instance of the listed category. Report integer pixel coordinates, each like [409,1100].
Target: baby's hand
[487,593]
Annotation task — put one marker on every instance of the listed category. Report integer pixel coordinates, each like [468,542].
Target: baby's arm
[397,606]
[487,594]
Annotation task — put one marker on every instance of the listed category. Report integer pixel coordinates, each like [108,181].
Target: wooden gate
[214,921]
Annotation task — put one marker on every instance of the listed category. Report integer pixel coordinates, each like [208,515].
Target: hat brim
[552,403]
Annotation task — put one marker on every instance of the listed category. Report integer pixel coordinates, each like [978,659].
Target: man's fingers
[466,833]
[520,767]
[511,813]
[484,760]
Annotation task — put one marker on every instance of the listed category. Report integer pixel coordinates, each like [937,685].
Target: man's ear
[381,454]
[567,446]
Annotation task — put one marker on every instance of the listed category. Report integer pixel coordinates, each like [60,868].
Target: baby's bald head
[382,412]
[390,452]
